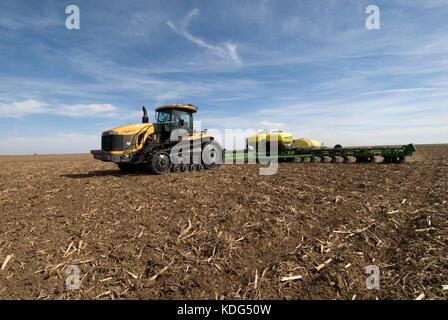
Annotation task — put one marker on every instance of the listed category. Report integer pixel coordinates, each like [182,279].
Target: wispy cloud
[30,22]
[361,119]
[226,51]
[291,25]
[19,109]
[403,90]
[424,3]
[271,125]
[105,79]
[186,21]
[87,110]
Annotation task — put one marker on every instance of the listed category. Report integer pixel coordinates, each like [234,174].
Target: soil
[226,234]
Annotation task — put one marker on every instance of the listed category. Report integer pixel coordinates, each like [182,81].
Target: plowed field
[229,234]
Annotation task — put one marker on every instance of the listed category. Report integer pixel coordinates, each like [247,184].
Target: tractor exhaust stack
[145,116]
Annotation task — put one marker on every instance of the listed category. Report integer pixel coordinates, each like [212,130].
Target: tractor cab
[172,117]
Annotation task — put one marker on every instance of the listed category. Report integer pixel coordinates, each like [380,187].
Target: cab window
[185,118]
[163,116]
[182,119]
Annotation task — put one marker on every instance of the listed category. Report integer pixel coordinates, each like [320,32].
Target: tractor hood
[129,129]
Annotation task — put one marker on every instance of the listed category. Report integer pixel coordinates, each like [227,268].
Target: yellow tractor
[169,144]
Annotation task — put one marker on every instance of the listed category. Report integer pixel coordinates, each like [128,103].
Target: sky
[311,68]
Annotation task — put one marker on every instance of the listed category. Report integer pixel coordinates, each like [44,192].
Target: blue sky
[309,67]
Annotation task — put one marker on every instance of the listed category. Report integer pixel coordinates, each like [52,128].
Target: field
[226,234]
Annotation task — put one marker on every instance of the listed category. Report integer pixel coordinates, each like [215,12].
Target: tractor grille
[116,142]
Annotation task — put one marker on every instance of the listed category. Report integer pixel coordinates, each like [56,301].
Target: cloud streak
[227,51]
[20,109]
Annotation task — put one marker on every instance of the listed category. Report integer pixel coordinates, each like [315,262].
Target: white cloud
[231,50]
[29,22]
[269,124]
[19,109]
[82,110]
[425,3]
[226,51]
[394,118]
[187,19]
[403,90]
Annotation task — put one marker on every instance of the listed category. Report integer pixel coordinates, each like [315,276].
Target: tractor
[168,145]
